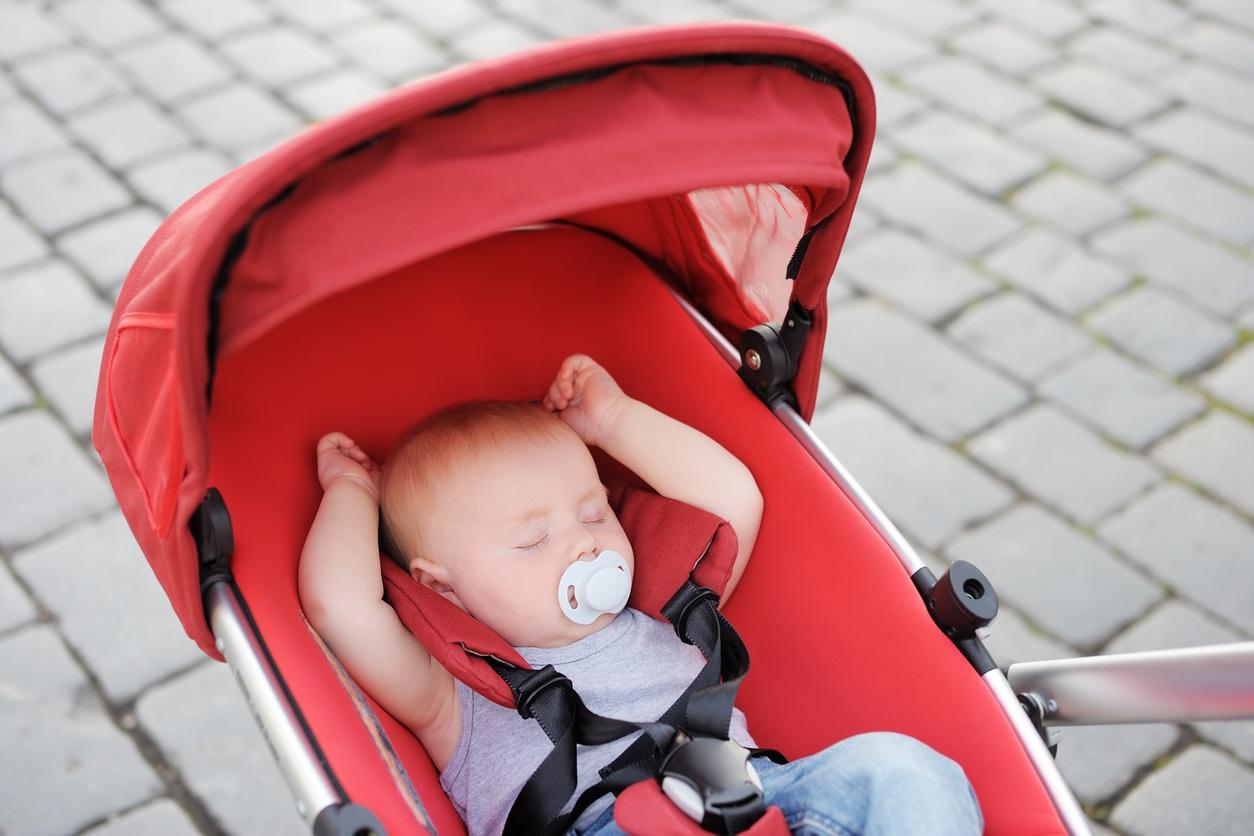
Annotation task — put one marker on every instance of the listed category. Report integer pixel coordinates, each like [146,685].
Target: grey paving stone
[929,19]
[25,30]
[971,89]
[970,152]
[1052,20]
[64,764]
[1121,399]
[238,115]
[830,389]
[159,818]
[1149,17]
[687,11]
[563,18]
[1161,330]
[914,276]
[1096,151]
[46,481]
[893,103]
[1098,761]
[442,19]
[1233,380]
[59,190]
[168,181]
[877,46]
[1196,268]
[928,490]
[230,770]
[45,307]
[1098,93]
[172,67]
[279,55]
[916,372]
[1204,551]
[1216,90]
[13,390]
[1121,51]
[216,19]
[71,78]
[1235,735]
[110,23]
[884,155]
[1235,11]
[1017,335]
[1216,453]
[114,614]
[1173,624]
[329,15]
[1219,43]
[25,132]
[105,249]
[1064,581]
[1070,202]
[1198,199]
[68,380]
[1005,47]
[1014,640]
[1063,464]
[1055,270]
[1211,143]
[1201,791]
[15,607]
[124,132]
[493,39]
[19,244]
[331,95]
[391,52]
[952,217]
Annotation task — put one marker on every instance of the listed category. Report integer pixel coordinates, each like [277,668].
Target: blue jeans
[872,784]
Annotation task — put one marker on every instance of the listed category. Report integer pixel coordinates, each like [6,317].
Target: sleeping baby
[497,506]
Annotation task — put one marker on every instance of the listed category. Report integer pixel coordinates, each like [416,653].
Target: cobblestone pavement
[1057,227]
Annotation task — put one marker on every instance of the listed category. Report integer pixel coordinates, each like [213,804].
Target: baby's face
[509,526]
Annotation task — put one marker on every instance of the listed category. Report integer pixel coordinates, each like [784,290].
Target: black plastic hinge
[962,603]
[347,820]
[211,529]
[770,354]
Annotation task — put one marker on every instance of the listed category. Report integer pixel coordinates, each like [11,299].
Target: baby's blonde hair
[432,450]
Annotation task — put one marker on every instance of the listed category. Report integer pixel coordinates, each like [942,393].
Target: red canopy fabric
[638,120]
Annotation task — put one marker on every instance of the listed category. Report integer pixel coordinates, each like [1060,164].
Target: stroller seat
[840,641]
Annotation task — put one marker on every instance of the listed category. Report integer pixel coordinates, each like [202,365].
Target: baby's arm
[676,460]
[341,591]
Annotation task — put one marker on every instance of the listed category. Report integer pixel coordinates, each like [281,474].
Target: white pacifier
[600,585]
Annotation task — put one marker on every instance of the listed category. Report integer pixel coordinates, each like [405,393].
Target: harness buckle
[712,782]
[536,682]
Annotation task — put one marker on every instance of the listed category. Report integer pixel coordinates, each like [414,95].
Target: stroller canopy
[728,156]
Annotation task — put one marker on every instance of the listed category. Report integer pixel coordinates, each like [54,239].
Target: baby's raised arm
[676,460]
[341,592]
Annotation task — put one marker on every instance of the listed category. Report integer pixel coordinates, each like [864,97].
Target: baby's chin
[564,633]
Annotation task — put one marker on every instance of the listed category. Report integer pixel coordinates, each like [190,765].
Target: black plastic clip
[961,603]
[211,529]
[770,354]
[683,603]
[712,782]
[533,684]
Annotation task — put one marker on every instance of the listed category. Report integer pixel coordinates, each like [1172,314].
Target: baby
[489,504]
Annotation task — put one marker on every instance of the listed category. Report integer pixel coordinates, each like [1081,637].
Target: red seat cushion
[840,641]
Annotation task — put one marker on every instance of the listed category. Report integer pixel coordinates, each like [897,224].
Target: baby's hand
[586,398]
[339,456]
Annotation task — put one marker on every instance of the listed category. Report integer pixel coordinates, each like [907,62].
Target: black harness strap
[703,710]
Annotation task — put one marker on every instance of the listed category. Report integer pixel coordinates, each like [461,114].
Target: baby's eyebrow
[600,491]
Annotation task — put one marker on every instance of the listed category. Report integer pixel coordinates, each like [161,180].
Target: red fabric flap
[642,809]
[669,538]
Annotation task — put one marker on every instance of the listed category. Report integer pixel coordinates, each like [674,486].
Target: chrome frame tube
[298,759]
[1042,761]
[1213,682]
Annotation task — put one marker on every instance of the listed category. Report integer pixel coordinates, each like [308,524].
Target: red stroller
[650,197]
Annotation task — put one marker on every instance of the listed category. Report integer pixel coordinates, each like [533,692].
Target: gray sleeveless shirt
[633,669]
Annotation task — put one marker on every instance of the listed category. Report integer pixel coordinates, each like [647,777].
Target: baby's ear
[430,574]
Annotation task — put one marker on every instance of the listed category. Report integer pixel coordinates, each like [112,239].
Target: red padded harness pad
[668,538]
[841,642]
